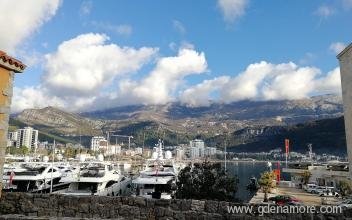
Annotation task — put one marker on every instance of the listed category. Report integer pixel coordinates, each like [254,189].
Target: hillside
[326,136]
[251,125]
[60,122]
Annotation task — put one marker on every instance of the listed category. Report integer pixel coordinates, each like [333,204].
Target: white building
[113,150]
[196,145]
[23,137]
[210,151]
[139,150]
[330,174]
[180,154]
[97,142]
[193,152]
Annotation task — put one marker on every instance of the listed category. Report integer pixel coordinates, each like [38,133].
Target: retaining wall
[43,206]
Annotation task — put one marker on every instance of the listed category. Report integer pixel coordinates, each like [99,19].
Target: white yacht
[158,179]
[30,177]
[97,178]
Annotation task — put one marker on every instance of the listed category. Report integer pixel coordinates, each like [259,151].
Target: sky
[88,55]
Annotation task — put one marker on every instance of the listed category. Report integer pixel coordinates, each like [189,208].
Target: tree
[306,175]
[23,150]
[266,181]
[345,188]
[206,181]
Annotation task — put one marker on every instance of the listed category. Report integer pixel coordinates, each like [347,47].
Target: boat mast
[52,168]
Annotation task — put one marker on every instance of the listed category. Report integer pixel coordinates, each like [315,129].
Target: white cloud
[160,85]
[325,11]
[40,97]
[265,81]
[246,84]
[179,27]
[337,47]
[83,65]
[122,29]
[25,18]
[33,97]
[331,83]
[200,94]
[86,8]
[232,9]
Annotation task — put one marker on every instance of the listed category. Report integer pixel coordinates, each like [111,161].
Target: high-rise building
[97,143]
[198,145]
[23,137]
[345,58]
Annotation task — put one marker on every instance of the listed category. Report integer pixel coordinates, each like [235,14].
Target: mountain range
[248,123]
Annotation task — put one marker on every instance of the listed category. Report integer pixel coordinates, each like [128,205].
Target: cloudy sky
[86,55]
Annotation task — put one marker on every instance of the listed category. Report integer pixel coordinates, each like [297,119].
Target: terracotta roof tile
[12,62]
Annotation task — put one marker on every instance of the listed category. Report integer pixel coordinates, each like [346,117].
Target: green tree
[306,175]
[206,181]
[69,152]
[266,181]
[345,188]
[23,150]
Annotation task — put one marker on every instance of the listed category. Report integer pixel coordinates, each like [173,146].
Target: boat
[158,179]
[97,178]
[31,177]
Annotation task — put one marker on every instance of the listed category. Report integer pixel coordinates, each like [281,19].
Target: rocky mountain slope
[326,136]
[234,116]
[61,122]
[249,123]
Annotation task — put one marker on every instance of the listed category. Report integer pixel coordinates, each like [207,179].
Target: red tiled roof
[16,64]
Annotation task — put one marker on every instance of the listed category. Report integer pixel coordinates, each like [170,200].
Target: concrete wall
[60,206]
[6,80]
[345,58]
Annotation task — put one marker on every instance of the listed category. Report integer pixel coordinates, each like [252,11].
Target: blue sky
[303,36]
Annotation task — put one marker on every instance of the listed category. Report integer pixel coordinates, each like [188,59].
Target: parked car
[310,187]
[346,204]
[329,193]
[285,200]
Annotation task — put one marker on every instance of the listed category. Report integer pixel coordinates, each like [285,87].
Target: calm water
[245,170]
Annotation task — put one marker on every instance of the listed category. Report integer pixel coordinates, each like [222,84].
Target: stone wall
[45,206]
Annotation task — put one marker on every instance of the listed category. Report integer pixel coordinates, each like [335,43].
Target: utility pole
[310,153]
[225,143]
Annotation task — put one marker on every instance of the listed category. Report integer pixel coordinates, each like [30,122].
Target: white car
[329,193]
[310,187]
[346,204]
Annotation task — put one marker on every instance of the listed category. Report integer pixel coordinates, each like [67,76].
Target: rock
[140,202]
[197,205]
[211,206]
[185,205]
[162,202]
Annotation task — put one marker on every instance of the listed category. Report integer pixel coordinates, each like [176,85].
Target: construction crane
[125,136]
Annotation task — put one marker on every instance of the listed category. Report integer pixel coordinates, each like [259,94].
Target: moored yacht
[97,178]
[158,179]
[30,177]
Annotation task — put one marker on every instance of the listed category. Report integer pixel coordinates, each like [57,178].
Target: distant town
[28,137]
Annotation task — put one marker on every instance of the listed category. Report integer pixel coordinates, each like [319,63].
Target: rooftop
[344,51]
[11,63]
